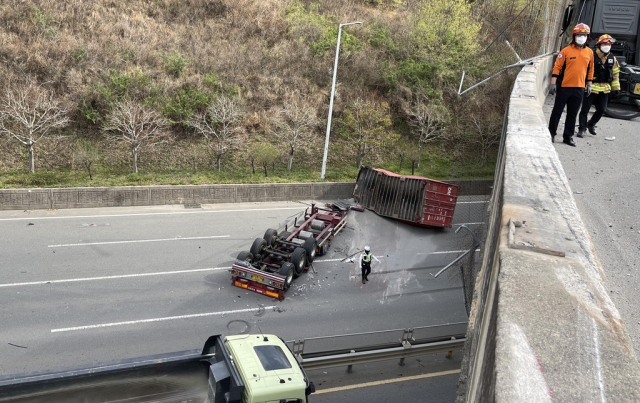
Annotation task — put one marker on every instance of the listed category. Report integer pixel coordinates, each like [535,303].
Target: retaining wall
[557,334]
[59,198]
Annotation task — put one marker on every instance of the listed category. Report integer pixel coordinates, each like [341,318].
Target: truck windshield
[272,357]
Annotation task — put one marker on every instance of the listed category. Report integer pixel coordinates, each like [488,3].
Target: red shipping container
[413,199]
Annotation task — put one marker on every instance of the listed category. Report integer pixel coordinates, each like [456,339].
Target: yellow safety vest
[366,258]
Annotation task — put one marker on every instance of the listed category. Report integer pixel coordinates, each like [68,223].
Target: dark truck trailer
[621,20]
[412,199]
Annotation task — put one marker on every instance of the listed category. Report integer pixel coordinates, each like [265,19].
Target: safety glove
[552,89]
[588,89]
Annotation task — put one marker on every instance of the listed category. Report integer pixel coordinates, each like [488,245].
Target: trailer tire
[311,247]
[288,271]
[270,236]
[258,247]
[299,260]
[245,256]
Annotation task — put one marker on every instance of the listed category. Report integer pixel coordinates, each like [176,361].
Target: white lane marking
[471,202]
[139,241]
[148,214]
[445,251]
[73,280]
[387,381]
[135,322]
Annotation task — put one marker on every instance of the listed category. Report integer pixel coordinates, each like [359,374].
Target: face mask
[581,40]
[605,48]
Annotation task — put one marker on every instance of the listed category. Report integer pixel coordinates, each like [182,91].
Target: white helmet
[367,248]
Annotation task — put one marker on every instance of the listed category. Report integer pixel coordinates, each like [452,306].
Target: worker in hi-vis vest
[574,69]
[606,80]
[365,263]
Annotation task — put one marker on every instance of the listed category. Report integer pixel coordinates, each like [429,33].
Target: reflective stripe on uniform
[616,70]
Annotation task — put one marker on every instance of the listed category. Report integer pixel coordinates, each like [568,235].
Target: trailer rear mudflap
[412,199]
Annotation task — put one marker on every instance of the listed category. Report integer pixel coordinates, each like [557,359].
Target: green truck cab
[232,369]
[268,369]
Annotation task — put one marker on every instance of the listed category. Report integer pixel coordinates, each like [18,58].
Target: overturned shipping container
[412,199]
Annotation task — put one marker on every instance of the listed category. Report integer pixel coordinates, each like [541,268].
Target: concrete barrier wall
[59,198]
[559,336]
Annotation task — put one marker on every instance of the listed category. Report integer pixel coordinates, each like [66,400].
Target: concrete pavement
[603,176]
[85,286]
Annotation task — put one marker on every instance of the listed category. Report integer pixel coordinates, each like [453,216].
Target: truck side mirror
[310,389]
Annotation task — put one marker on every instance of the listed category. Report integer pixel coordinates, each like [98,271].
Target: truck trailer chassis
[274,260]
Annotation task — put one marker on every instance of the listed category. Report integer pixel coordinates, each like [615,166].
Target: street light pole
[333,88]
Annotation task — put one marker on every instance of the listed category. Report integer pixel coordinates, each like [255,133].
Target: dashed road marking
[135,322]
[71,280]
[192,238]
[149,214]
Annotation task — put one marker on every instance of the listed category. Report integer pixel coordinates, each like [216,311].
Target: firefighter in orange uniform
[573,66]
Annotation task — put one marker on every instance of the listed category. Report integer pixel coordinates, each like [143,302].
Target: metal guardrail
[401,353]
[360,348]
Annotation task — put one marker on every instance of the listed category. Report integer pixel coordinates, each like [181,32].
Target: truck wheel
[270,236]
[311,247]
[288,271]
[258,247]
[284,235]
[245,256]
[623,107]
[299,260]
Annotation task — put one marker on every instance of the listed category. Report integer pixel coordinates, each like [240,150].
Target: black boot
[580,133]
[592,129]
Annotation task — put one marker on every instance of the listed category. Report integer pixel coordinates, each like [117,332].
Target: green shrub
[182,104]
[320,31]
[175,63]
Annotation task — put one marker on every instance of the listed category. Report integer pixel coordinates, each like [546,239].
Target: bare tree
[485,135]
[30,113]
[136,124]
[219,125]
[294,126]
[427,124]
[86,154]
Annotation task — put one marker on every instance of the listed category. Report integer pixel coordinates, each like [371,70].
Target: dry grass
[248,49]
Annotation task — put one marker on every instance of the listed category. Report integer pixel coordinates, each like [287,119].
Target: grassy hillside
[177,57]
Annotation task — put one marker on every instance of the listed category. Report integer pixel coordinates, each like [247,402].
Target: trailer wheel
[270,236]
[245,256]
[258,247]
[288,271]
[299,260]
[311,247]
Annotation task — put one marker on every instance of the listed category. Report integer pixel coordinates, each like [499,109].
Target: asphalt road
[80,287]
[603,175]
